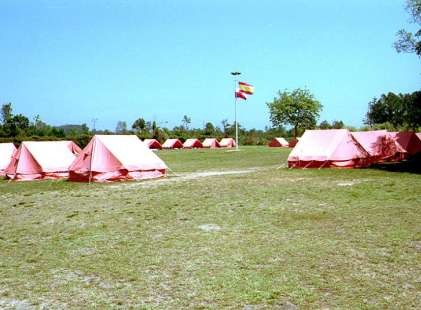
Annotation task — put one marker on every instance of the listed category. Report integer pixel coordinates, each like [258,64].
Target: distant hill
[73,128]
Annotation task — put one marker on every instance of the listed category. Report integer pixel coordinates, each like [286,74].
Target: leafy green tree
[297,108]
[229,130]
[139,124]
[376,113]
[57,132]
[325,125]
[398,111]
[388,108]
[6,112]
[16,125]
[406,41]
[179,132]
[412,115]
[209,129]
[338,124]
[84,128]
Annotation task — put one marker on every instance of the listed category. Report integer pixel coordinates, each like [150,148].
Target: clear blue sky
[71,61]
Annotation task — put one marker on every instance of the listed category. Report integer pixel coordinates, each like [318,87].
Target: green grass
[223,159]
[316,238]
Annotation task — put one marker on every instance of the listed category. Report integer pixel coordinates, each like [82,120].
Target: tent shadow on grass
[412,165]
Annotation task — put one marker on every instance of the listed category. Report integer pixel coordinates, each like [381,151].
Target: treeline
[395,112]
[145,129]
[17,127]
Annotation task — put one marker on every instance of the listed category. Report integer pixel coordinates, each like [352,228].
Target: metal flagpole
[236,126]
[235,108]
[235,120]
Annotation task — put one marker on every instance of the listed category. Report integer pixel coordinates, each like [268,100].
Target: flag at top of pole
[242,91]
[246,88]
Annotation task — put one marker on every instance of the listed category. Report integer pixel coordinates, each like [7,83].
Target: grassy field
[225,230]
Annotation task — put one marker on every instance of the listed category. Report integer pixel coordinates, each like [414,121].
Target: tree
[39,128]
[186,122]
[155,131]
[38,123]
[388,108]
[84,128]
[121,127]
[338,124]
[412,104]
[298,108]
[139,124]
[325,125]
[6,112]
[16,125]
[406,41]
[397,110]
[209,129]
[225,126]
[57,132]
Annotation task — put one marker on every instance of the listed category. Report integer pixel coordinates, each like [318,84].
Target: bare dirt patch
[182,177]
[346,183]
[210,227]
[353,182]
[64,276]
[15,304]
[416,245]
[85,252]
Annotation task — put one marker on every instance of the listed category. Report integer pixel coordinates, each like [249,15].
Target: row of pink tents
[123,157]
[190,143]
[342,148]
[105,158]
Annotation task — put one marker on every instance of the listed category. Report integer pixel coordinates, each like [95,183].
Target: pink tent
[192,143]
[409,141]
[293,142]
[172,144]
[278,142]
[380,145]
[210,143]
[328,148]
[227,142]
[116,157]
[35,160]
[152,144]
[7,151]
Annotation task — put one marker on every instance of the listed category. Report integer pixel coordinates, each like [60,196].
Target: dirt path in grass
[180,177]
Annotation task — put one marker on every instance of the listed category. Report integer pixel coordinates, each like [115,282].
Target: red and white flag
[240,94]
